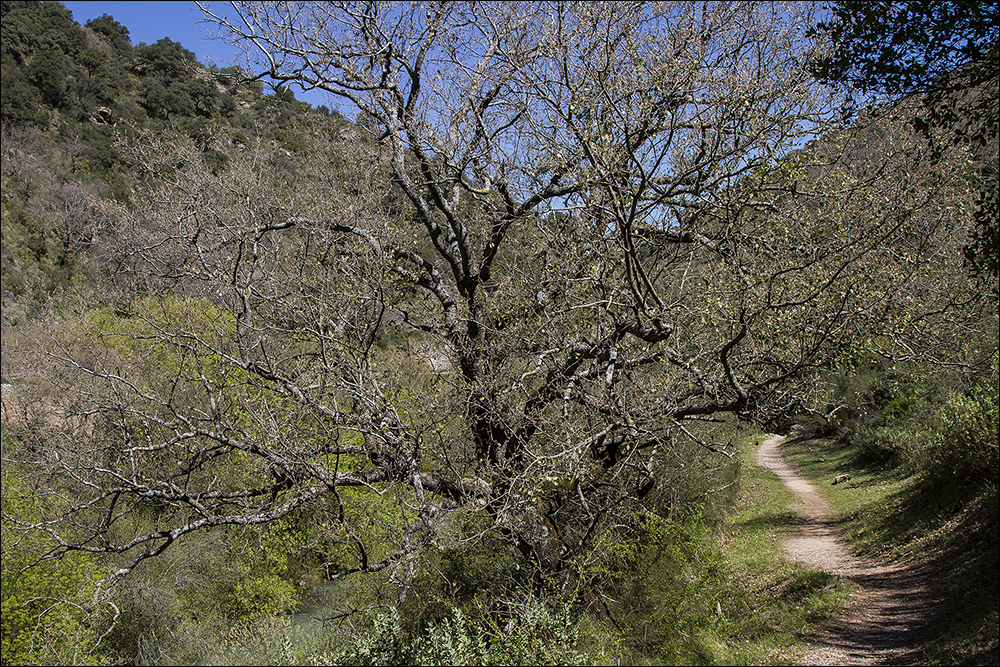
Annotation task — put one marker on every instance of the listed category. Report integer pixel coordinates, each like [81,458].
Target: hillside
[71,93]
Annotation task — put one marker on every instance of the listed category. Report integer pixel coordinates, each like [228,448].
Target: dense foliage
[948,54]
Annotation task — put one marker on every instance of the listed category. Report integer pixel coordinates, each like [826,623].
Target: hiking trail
[891,606]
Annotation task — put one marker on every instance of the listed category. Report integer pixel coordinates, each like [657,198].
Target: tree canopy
[948,54]
[913,46]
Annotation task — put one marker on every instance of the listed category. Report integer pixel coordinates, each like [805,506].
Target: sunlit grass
[774,604]
[950,531]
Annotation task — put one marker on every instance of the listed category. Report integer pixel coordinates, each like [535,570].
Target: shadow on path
[891,606]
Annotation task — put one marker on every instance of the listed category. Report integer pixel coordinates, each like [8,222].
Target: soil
[891,610]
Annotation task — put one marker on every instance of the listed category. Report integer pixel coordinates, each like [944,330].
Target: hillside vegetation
[923,466]
[474,376]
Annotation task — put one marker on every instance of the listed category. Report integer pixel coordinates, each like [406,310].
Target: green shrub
[669,578]
[216,161]
[962,445]
[880,444]
[291,140]
[946,435]
[540,637]
[176,607]
[48,613]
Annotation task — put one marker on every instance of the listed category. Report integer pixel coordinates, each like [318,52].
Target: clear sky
[182,22]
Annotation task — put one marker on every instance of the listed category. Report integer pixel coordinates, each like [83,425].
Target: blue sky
[180,21]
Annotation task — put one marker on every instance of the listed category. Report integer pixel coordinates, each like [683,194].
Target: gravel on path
[891,608]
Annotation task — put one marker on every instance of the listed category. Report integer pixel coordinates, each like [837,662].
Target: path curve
[891,606]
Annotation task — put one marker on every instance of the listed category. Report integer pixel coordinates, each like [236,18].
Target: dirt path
[891,606]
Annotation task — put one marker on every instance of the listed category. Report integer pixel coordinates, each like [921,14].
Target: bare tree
[590,217]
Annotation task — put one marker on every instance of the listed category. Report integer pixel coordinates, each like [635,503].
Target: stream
[325,600]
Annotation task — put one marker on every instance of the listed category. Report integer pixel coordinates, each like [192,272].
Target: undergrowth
[689,592]
[930,498]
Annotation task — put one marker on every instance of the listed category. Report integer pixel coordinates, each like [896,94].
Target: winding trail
[891,606]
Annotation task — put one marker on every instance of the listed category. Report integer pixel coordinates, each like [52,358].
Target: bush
[48,613]
[962,447]
[950,437]
[541,637]
[881,444]
[176,606]
[669,578]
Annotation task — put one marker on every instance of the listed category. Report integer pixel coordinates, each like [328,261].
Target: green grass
[774,604]
[949,531]
[869,505]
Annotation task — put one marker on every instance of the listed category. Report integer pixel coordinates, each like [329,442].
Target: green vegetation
[540,638]
[259,359]
[47,614]
[67,90]
[773,604]
[923,490]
